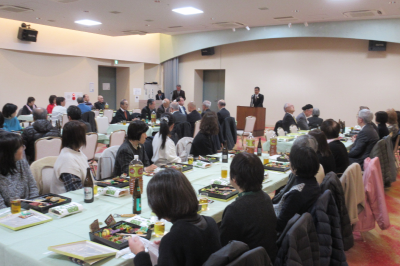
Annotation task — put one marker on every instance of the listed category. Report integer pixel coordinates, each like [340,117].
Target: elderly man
[206,107]
[289,118]
[148,109]
[372,122]
[315,121]
[100,104]
[193,115]
[84,108]
[122,114]
[178,92]
[39,129]
[74,113]
[86,100]
[302,121]
[222,113]
[365,140]
[181,102]
[179,117]
[164,108]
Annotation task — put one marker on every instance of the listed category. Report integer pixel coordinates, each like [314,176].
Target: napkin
[112,191]
[66,209]
[201,164]
[151,247]
[224,182]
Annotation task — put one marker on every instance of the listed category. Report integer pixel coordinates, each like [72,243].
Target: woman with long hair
[164,149]
[16,178]
[325,156]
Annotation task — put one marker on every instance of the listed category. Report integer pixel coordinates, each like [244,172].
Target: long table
[29,246]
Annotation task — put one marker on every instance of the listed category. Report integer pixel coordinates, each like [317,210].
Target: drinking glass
[266,159]
[159,228]
[224,171]
[94,189]
[190,159]
[15,205]
[124,122]
[203,201]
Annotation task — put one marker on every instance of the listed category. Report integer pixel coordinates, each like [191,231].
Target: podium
[259,112]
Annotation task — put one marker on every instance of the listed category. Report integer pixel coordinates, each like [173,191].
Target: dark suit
[222,114]
[99,105]
[302,121]
[161,110]
[257,101]
[365,141]
[162,97]
[179,117]
[182,109]
[287,121]
[176,95]
[146,113]
[314,122]
[202,114]
[192,118]
[120,116]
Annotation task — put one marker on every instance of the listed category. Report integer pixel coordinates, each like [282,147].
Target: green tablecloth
[29,246]
[286,146]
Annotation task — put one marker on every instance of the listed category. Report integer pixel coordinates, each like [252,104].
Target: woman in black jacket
[202,143]
[192,238]
[28,108]
[305,192]
[324,154]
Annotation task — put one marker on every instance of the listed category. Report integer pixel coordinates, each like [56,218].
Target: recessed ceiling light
[187,10]
[87,22]
[149,20]
[37,18]
[263,8]
[115,12]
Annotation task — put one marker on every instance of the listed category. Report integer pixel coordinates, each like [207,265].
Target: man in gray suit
[302,121]
[179,117]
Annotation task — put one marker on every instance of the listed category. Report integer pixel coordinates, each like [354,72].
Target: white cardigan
[166,155]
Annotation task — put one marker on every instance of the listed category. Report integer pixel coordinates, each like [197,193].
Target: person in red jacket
[52,103]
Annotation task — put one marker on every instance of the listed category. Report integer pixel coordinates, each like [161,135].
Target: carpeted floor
[382,248]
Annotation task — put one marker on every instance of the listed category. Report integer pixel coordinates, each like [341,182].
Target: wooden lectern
[259,112]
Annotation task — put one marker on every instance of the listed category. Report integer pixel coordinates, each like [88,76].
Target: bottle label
[259,150]
[135,171]
[88,193]
[138,204]
[224,157]
[250,142]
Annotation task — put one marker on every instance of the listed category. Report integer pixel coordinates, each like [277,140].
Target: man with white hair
[222,113]
[164,108]
[206,107]
[100,104]
[365,140]
[289,118]
[179,117]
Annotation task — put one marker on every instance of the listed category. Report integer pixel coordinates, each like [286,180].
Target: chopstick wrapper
[201,164]
[66,209]
[112,191]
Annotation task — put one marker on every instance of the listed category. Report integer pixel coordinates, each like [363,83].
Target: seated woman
[29,106]
[52,103]
[11,122]
[16,178]
[164,149]
[315,121]
[133,145]
[324,154]
[305,192]
[251,217]
[192,238]
[202,143]
[381,119]
[71,165]
[331,128]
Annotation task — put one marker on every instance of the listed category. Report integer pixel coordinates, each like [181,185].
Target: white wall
[336,75]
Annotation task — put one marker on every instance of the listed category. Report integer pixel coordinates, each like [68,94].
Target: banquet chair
[64,119]
[43,172]
[293,129]
[117,138]
[96,113]
[102,124]
[269,134]
[248,126]
[137,111]
[91,145]
[183,148]
[109,114]
[105,164]
[48,146]
[196,128]
[281,132]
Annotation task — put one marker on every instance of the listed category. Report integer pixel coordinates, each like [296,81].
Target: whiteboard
[150,91]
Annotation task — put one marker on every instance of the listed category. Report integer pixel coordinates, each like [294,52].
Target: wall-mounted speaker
[27,34]
[376,46]
[207,51]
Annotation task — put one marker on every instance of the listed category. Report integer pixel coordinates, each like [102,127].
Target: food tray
[185,167]
[282,158]
[16,223]
[219,196]
[27,205]
[277,166]
[109,243]
[209,159]
[83,250]
[118,184]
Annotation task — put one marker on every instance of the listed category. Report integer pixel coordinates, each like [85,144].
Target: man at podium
[257,99]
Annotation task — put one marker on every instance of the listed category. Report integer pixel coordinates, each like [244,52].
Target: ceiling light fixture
[247,28]
[305,24]
[87,22]
[187,10]
[233,29]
